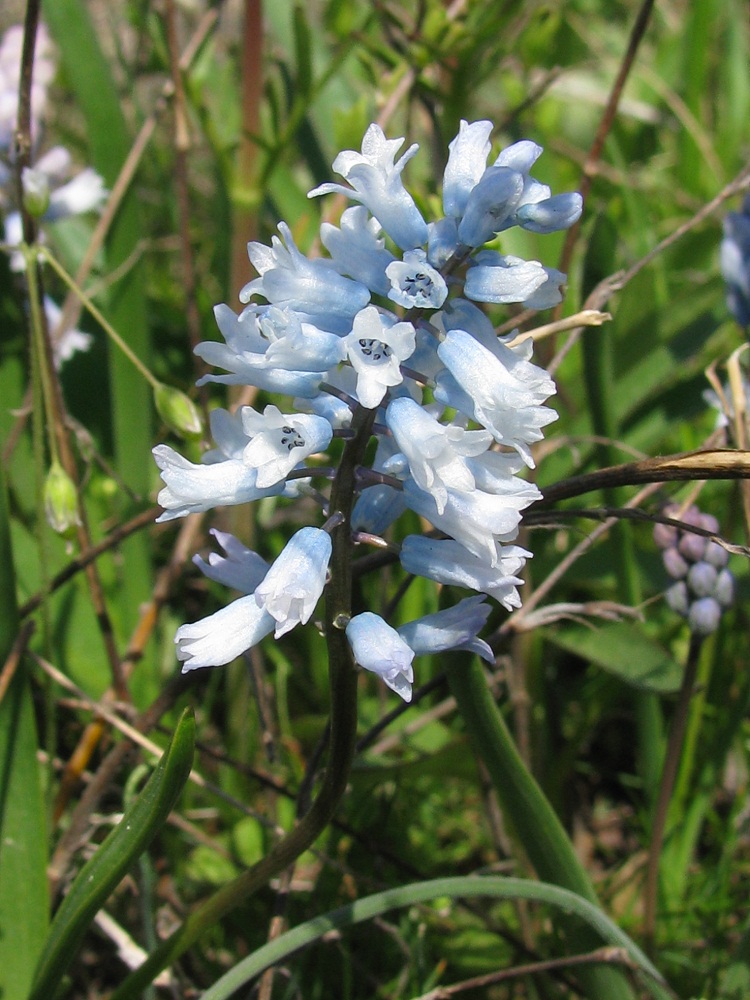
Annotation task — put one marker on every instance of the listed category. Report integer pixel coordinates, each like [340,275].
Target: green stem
[99,317]
[669,774]
[341,743]
[539,830]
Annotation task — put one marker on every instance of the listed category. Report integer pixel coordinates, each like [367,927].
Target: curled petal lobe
[379,648]
[223,636]
[239,567]
[291,588]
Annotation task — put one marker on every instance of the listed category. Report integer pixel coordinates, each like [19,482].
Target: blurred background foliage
[588,700]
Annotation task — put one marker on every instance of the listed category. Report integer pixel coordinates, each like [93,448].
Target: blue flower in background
[735,262]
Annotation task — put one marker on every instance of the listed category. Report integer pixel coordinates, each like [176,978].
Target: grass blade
[130,838]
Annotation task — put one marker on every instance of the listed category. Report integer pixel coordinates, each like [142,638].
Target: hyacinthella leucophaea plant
[384,337]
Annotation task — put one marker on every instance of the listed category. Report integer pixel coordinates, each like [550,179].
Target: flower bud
[677,597]
[724,589]
[704,616]
[178,411]
[716,554]
[692,546]
[674,564]
[60,500]
[35,185]
[702,579]
[665,535]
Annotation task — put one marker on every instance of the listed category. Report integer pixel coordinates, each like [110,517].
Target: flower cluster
[387,323]
[704,586]
[735,262]
[52,190]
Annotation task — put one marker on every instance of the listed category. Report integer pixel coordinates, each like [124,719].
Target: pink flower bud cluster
[703,586]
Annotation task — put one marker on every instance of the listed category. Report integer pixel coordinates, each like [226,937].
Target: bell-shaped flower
[239,567]
[467,161]
[551,214]
[502,395]
[520,156]
[312,288]
[190,488]
[477,520]
[224,635]
[495,277]
[490,205]
[494,472]
[244,356]
[379,648]
[415,283]
[448,562]
[436,452]
[453,628]
[357,248]
[291,588]
[280,441]
[377,184]
[376,348]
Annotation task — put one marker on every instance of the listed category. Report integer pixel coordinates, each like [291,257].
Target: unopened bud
[724,590]
[178,411]
[704,616]
[60,500]
[677,597]
[35,191]
[702,579]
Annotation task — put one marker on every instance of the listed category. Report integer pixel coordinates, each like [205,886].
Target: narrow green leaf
[110,141]
[99,876]
[528,810]
[496,887]
[23,858]
[622,649]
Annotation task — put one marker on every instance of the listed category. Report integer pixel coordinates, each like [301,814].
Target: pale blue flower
[504,396]
[448,562]
[478,520]
[452,629]
[503,278]
[377,184]
[379,648]
[244,357]
[224,635]
[293,585]
[560,211]
[357,248]
[490,205]
[190,488]
[436,452]
[414,283]
[466,164]
[239,568]
[376,348]
[313,288]
[280,441]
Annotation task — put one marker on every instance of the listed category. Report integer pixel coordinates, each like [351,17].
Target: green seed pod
[60,500]
[178,411]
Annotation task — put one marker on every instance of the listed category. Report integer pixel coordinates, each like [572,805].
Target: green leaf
[623,650]
[110,141]
[24,902]
[495,887]
[99,876]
